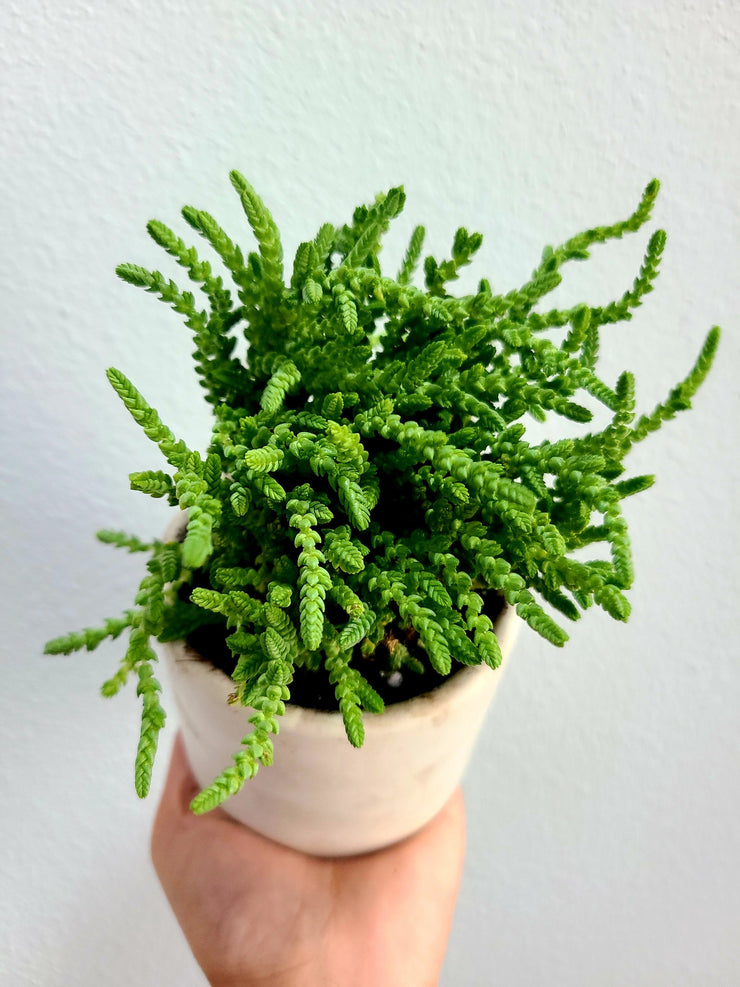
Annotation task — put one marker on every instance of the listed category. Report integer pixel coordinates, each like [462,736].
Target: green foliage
[368,477]
[121,540]
[343,679]
[268,700]
[90,637]
[152,721]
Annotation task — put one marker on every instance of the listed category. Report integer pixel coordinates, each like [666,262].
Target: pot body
[321,795]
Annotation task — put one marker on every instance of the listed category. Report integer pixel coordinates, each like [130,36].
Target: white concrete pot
[321,795]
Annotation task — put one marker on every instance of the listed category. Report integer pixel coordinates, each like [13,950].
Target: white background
[603,797]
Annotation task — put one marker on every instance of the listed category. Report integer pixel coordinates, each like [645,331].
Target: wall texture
[603,799]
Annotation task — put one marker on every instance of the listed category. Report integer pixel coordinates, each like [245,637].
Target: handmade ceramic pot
[321,795]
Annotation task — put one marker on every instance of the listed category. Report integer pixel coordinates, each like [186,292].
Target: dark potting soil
[312,690]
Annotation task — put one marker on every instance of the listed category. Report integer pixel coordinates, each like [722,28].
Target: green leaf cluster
[369,467]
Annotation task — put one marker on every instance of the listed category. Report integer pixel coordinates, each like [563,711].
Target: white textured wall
[603,799]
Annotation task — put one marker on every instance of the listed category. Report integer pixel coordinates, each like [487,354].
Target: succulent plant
[369,479]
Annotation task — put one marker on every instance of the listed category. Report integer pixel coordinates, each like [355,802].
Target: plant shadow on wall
[369,499]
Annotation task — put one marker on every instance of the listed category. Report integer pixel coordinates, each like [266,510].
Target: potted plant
[369,515]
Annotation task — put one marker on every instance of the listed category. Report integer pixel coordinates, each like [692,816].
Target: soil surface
[312,690]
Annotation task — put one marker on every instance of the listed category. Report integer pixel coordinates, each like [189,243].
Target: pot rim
[396,716]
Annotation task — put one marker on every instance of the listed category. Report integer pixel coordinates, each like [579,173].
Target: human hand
[257,913]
